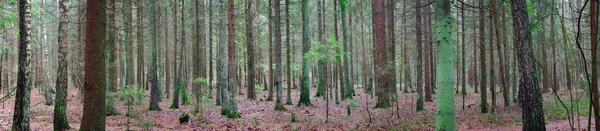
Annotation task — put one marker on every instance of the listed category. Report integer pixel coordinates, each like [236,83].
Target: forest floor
[259,115]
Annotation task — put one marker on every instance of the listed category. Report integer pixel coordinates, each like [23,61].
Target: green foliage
[133,94]
[326,52]
[353,103]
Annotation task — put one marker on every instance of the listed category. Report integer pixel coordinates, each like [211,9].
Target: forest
[94,65]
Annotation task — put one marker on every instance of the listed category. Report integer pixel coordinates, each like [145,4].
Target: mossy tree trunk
[60,109]
[445,115]
[419,66]
[22,99]
[305,80]
[152,74]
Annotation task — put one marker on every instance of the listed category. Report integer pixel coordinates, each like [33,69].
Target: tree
[427,54]
[322,67]
[270,66]
[419,67]
[594,54]
[183,61]
[288,56]
[277,78]
[305,81]
[60,109]
[199,52]
[129,42]
[178,71]
[21,112]
[380,55]
[346,86]
[231,109]
[482,80]
[250,50]
[140,43]
[530,99]
[95,77]
[222,74]
[152,74]
[445,117]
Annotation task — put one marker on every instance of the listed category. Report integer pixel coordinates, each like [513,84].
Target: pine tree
[305,81]
[380,55]
[152,74]
[419,67]
[95,77]
[445,115]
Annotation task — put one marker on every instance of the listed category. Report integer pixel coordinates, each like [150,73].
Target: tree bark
[529,95]
[60,109]
[152,74]
[381,67]
[445,115]
[95,77]
[22,99]
[419,67]
[482,66]
[250,50]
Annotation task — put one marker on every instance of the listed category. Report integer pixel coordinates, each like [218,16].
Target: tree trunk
[482,66]
[381,67]
[305,80]
[445,115]
[140,44]
[95,77]
[222,74]
[270,66]
[321,87]
[427,58]
[60,109]
[152,74]
[250,50]
[289,62]
[419,67]
[529,95]
[129,77]
[391,58]
[210,49]
[231,111]
[491,52]
[22,99]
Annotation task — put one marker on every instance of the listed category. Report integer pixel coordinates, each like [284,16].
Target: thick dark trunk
[95,76]
[530,98]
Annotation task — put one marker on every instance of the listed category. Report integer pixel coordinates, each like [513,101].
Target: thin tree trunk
[270,66]
[152,74]
[250,50]
[60,109]
[140,44]
[419,67]
[482,66]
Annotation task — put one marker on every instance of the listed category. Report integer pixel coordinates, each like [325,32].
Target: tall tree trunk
[305,81]
[210,49]
[406,56]
[482,66]
[475,75]
[45,61]
[270,66]
[222,63]
[346,86]
[183,61]
[278,67]
[529,96]
[231,111]
[60,109]
[289,62]
[321,87]
[168,71]
[95,77]
[176,87]
[140,44]
[426,57]
[250,50]
[381,67]
[22,99]
[491,52]
[445,115]
[594,53]
[391,58]
[152,74]
[129,77]
[419,67]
